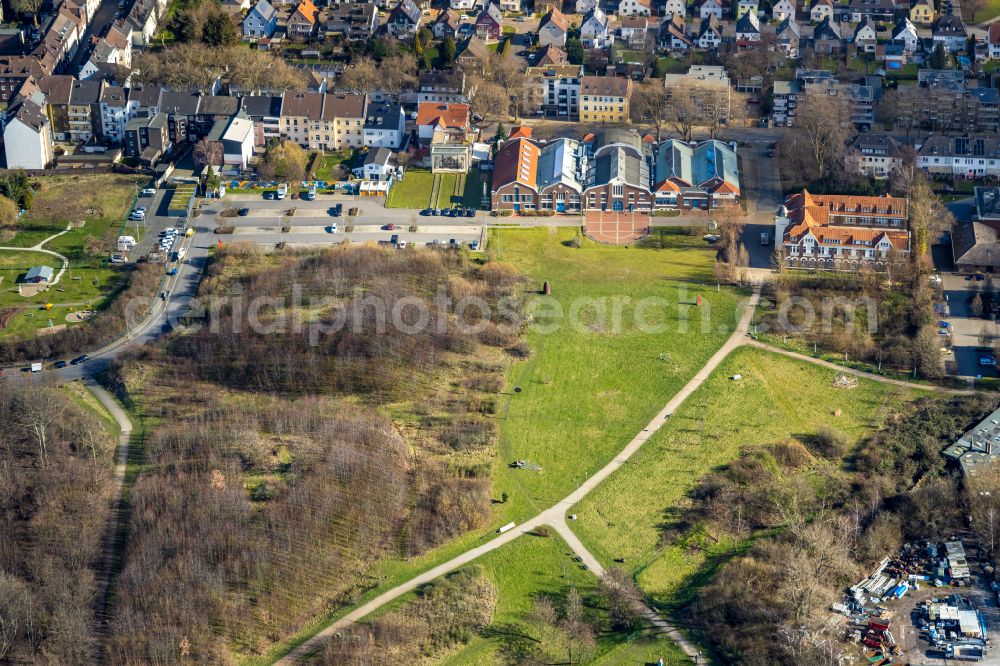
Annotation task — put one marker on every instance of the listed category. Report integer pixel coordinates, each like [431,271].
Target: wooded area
[274,479]
[55,473]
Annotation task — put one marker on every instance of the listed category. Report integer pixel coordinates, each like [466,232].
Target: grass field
[535,566]
[590,386]
[472,196]
[101,201]
[413,191]
[326,165]
[446,190]
[778,398]
[584,393]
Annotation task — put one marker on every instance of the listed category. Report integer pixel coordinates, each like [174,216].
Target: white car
[148,192]
[118,259]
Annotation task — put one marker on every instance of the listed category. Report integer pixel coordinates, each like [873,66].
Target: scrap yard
[932,603]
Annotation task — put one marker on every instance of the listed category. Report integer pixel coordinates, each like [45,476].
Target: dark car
[470,212]
[427,211]
[270,195]
[436,211]
[243,212]
[83,358]
[980,277]
[59,365]
[173,271]
[389,227]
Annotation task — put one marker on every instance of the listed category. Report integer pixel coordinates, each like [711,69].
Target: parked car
[944,331]
[753,100]
[59,365]
[470,212]
[474,245]
[944,324]
[173,271]
[148,192]
[987,361]
[243,212]
[427,211]
[83,358]
[389,227]
[332,229]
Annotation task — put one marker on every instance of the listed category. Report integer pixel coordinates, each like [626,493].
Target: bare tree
[682,114]
[38,409]
[825,121]
[649,105]
[363,76]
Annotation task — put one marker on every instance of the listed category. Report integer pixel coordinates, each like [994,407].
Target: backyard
[335,166]
[420,188]
[100,202]
[623,518]
[412,191]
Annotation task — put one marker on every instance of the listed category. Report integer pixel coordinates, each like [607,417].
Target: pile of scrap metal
[877,639]
[954,627]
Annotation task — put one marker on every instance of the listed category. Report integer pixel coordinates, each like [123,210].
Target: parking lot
[966,329]
[267,222]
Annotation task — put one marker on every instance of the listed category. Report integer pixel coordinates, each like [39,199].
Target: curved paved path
[37,247]
[860,373]
[556,514]
[104,566]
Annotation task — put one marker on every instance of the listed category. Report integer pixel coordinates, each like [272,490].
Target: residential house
[301,113]
[949,31]
[27,134]
[922,12]
[144,18]
[584,6]
[788,37]
[464,5]
[404,19]
[356,22]
[510,5]
[434,117]
[594,32]
[554,89]
[265,112]
[236,138]
[709,33]
[147,138]
[708,86]
[57,90]
[710,8]
[341,123]
[695,175]
[786,95]
[182,115]
[553,27]
[672,35]
[875,155]
[636,7]
[865,36]
[841,232]
[748,30]
[260,21]
[745,7]
[473,54]
[489,23]
[827,38]
[783,9]
[15,70]
[144,101]
[384,126]
[446,24]
[968,156]
[992,40]
[211,110]
[670,8]
[618,173]
[304,20]
[905,33]
[605,99]
[975,248]
[880,11]
[821,10]
[551,55]
[379,164]
[114,114]
[441,87]
[632,30]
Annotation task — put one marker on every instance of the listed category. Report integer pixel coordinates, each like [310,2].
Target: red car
[753,100]
[389,227]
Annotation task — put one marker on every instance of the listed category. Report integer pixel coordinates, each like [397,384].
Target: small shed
[39,274]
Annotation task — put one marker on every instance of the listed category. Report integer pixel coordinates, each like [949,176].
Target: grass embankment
[101,202]
[586,392]
[776,399]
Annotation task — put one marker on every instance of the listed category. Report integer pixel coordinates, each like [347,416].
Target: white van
[282,190]
[127,240]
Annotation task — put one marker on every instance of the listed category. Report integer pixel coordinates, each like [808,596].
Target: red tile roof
[453,116]
[517,161]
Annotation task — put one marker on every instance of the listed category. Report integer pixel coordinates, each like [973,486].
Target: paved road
[104,568]
[555,515]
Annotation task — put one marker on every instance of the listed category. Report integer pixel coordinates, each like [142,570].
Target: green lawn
[909,71]
[777,398]
[534,566]
[101,202]
[446,190]
[326,164]
[413,191]
[591,386]
[472,196]
[584,394]
[668,65]
[989,10]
